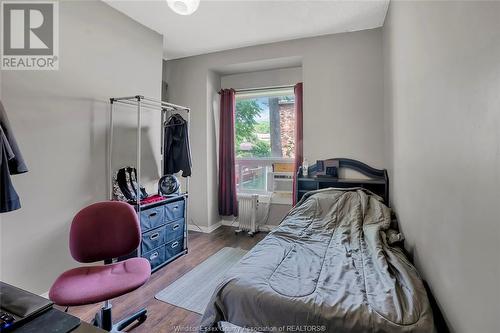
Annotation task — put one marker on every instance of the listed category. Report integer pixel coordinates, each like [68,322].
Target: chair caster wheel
[142,319]
[96,321]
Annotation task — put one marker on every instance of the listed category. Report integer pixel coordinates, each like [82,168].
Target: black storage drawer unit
[164,231]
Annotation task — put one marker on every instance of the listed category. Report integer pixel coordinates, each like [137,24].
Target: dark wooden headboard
[377,182]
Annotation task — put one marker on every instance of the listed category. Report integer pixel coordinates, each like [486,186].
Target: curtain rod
[263,89]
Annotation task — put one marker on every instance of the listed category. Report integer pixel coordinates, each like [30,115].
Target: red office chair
[101,232]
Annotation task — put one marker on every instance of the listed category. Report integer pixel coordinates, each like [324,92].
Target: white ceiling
[222,25]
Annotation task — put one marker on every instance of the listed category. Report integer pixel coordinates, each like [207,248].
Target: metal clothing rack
[166,109]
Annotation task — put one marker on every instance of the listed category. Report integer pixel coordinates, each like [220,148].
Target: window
[265,135]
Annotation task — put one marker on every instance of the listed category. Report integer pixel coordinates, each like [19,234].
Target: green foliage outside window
[246,128]
[261,149]
[263,127]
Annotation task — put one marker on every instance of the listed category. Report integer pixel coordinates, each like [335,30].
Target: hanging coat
[16,163]
[176,150]
[9,200]
[11,163]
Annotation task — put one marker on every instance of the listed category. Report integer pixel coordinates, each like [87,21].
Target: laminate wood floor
[163,317]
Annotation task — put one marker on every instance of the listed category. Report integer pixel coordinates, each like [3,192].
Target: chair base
[103,319]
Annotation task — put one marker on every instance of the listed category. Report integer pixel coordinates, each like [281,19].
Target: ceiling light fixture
[183,7]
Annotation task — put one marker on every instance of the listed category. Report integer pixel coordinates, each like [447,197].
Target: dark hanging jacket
[11,163]
[176,150]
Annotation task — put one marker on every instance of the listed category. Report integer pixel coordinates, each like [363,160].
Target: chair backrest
[104,230]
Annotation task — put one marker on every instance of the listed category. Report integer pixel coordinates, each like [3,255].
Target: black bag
[127,181]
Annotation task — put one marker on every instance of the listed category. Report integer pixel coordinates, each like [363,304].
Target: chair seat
[93,284]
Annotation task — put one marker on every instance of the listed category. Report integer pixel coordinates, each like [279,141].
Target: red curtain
[299,136]
[228,204]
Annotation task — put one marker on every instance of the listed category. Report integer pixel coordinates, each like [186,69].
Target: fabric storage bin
[155,257]
[173,248]
[153,239]
[151,218]
[174,230]
[174,210]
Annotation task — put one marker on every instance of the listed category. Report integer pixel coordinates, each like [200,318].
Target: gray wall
[443,96]
[1,228]
[60,121]
[265,78]
[343,102]
[213,106]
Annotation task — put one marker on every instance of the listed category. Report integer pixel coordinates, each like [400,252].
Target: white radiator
[248,205]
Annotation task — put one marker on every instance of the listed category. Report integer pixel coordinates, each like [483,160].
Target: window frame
[268,161]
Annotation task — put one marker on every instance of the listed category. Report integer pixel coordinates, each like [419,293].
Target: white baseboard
[228,223]
[204,229]
[236,224]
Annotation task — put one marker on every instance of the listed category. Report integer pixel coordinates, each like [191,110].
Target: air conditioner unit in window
[280,182]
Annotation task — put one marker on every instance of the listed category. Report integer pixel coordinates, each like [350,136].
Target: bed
[329,267]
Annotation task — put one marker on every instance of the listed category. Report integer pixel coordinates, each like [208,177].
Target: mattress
[329,268]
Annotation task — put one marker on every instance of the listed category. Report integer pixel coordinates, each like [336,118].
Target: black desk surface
[45,318]
[56,321]
[87,328]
